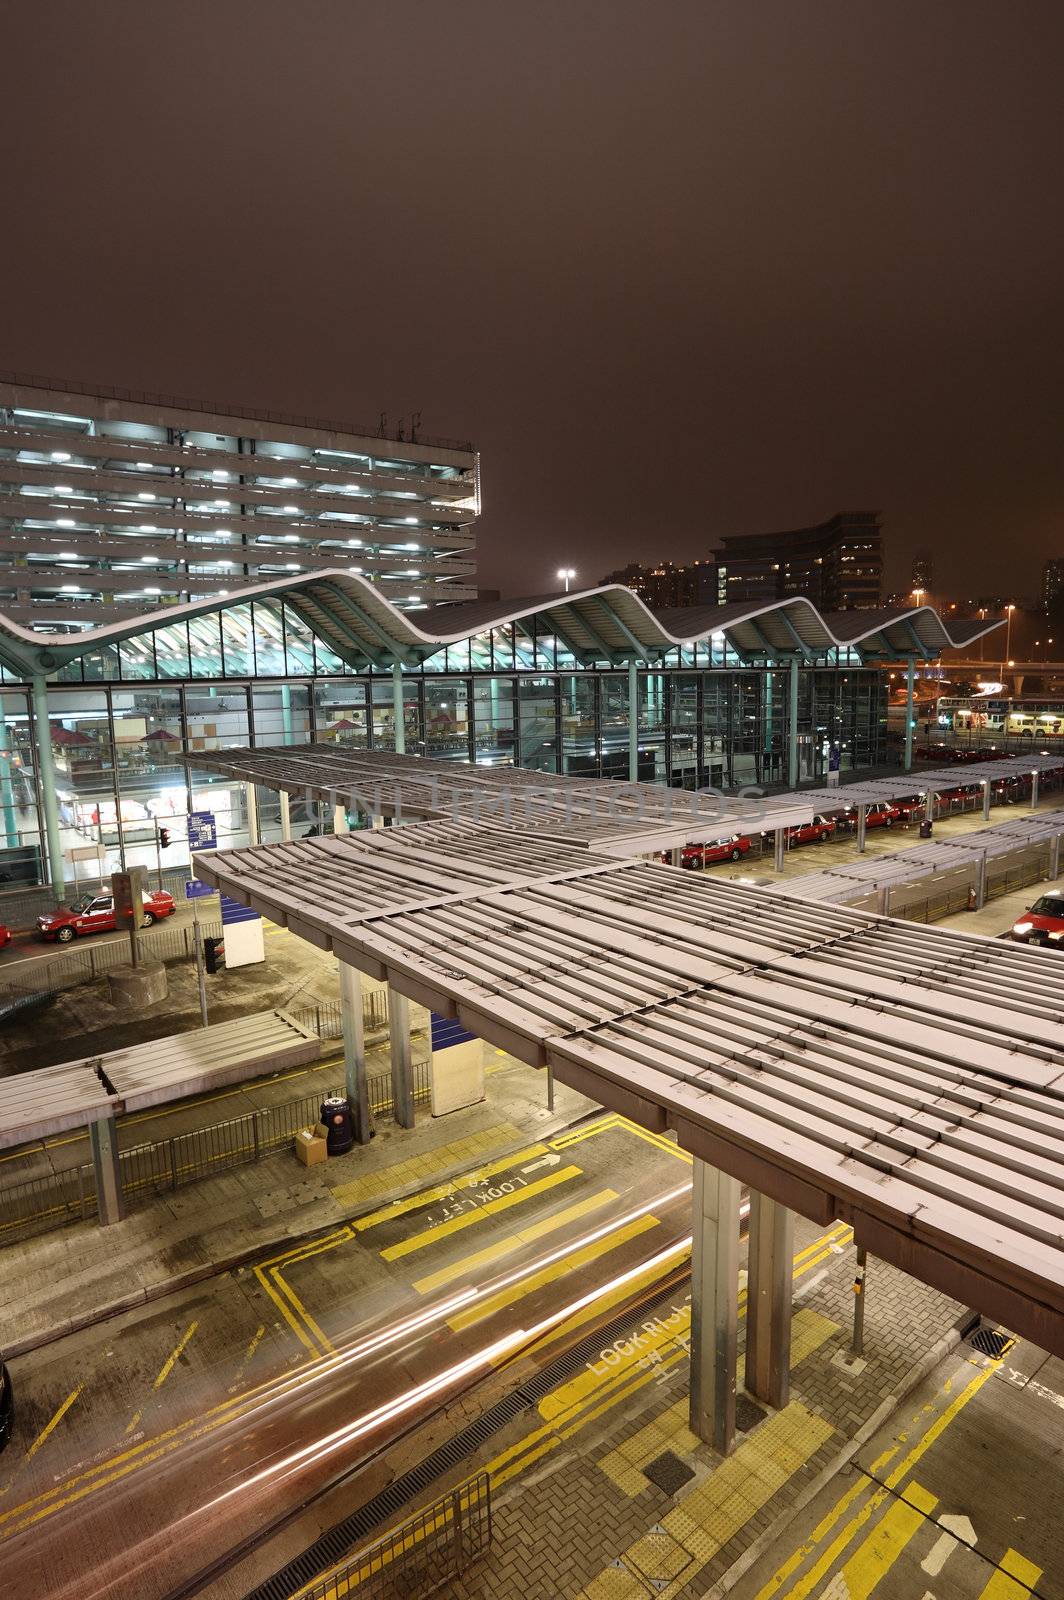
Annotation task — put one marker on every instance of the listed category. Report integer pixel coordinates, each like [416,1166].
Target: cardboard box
[320,1131]
[310,1147]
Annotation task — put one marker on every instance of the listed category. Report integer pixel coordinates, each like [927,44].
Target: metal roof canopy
[603,814]
[75,1093]
[918,781]
[852,879]
[906,1079]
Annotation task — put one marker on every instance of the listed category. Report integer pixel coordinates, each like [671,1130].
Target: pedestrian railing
[428,1550]
[89,960]
[40,1204]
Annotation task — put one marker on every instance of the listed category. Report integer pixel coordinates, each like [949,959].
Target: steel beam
[929,804]
[633,721]
[987,789]
[780,837]
[768,1300]
[714,1304]
[910,675]
[252,802]
[356,1083]
[980,882]
[402,1066]
[792,726]
[49,798]
[286,816]
[862,824]
[107,1170]
[1034,791]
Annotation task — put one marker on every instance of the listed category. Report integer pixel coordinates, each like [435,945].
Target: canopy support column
[286,817]
[714,1304]
[987,786]
[768,1300]
[929,806]
[7,792]
[792,726]
[980,882]
[633,721]
[107,1170]
[862,823]
[910,675]
[402,1066]
[397,708]
[780,837]
[356,1083]
[340,818]
[1034,791]
[252,803]
[49,798]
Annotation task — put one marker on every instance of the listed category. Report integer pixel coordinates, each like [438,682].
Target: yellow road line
[808,1582]
[420,1241]
[284,1296]
[132,1423]
[48,1428]
[168,1365]
[503,1247]
[557,1269]
[1014,1579]
[442,1191]
[886,1542]
[254,1345]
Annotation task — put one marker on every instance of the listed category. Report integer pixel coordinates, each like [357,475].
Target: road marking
[420,1241]
[956,1530]
[259,1334]
[503,1247]
[284,1296]
[49,1427]
[1014,1579]
[808,1582]
[171,1360]
[879,1551]
[546,1161]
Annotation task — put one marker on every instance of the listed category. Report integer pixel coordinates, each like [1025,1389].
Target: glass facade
[116,735]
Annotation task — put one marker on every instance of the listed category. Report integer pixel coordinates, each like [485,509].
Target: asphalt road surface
[149,1447]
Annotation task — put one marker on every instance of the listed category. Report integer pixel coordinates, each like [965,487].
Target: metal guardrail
[421,1555]
[1033,869]
[86,963]
[38,1205]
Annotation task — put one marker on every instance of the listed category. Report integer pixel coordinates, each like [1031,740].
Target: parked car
[814,832]
[880,814]
[96,914]
[733,848]
[1042,923]
[5,936]
[7,1404]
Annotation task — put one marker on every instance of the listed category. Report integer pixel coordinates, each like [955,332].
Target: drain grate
[668,1473]
[990,1341]
[748,1413]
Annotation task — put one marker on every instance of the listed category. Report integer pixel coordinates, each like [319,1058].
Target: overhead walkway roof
[34,1105]
[608,623]
[920,780]
[602,814]
[909,1080]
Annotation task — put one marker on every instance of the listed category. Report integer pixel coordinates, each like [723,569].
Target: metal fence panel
[41,1204]
[421,1555]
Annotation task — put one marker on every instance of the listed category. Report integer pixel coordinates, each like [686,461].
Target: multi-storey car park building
[95,722]
[114,503]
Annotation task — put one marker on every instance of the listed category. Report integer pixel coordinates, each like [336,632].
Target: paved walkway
[610,1496]
[70,1277]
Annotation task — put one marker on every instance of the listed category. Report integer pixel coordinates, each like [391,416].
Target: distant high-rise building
[1053,584]
[923,572]
[665,584]
[838,564]
[112,503]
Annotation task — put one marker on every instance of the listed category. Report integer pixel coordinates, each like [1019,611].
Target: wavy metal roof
[609,623]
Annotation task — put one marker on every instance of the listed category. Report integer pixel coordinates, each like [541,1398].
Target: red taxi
[96,914]
[1042,923]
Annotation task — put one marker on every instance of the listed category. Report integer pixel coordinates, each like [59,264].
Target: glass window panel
[205,641]
[539,721]
[458,656]
[493,720]
[171,651]
[20,841]
[480,652]
[269,639]
[137,658]
[447,719]
[299,643]
[238,642]
[502,646]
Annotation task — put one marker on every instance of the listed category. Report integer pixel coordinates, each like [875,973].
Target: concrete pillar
[714,1304]
[929,806]
[792,727]
[980,882]
[766,713]
[397,708]
[1034,791]
[633,722]
[862,823]
[986,799]
[340,819]
[252,802]
[286,817]
[883,900]
[1054,856]
[781,846]
[674,855]
[107,1170]
[768,1300]
[49,798]
[356,1083]
[402,1066]
[910,674]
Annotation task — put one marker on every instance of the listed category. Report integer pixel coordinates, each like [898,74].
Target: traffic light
[214,955]
[164,838]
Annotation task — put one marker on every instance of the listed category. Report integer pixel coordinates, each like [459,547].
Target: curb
[242,1258]
[910,1380]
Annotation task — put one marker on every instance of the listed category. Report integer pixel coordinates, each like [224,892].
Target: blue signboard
[447,1031]
[195,889]
[233,911]
[202,831]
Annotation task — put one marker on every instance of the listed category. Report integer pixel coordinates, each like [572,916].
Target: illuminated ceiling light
[152,591]
[222,504]
[290,511]
[356,570]
[413,547]
[219,475]
[60,455]
[64,522]
[293,566]
[145,466]
[63,488]
[289,483]
[147,558]
[223,591]
[409,519]
[223,563]
[67,555]
[145,495]
[148,527]
[70,588]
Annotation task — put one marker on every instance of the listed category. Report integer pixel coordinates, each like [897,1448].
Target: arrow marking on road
[958,1530]
[544,1161]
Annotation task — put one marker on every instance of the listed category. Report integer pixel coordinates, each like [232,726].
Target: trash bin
[336,1116]
[925,828]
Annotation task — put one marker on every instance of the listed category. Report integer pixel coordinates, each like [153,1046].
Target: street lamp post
[1008,636]
[565,573]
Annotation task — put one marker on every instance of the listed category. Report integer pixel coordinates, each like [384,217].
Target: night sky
[679,269]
